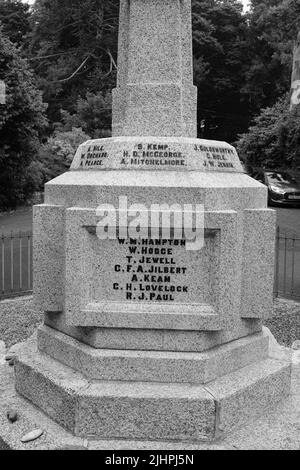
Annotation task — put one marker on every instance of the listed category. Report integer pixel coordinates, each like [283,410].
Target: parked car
[283,189]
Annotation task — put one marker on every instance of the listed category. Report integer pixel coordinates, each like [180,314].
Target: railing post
[277,247]
[285,264]
[15,260]
[11,262]
[293,265]
[3,263]
[29,262]
[20,261]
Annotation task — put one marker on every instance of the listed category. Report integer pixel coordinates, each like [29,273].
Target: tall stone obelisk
[142,338]
[155,88]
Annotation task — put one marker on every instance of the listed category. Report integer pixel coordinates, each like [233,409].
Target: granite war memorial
[144,338]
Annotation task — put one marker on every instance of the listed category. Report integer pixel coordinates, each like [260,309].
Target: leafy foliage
[242,64]
[273,26]
[21,122]
[273,141]
[14,18]
[220,55]
[73,49]
[93,115]
[56,155]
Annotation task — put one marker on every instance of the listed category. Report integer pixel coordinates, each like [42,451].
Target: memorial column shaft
[155,93]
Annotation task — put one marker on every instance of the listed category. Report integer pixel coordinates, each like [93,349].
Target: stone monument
[144,339]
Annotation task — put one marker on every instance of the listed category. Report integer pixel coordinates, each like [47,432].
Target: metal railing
[15,264]
[287,266]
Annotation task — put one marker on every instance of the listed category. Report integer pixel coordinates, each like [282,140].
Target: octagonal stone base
[140,406]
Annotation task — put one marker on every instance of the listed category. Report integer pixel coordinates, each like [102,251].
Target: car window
[274,177]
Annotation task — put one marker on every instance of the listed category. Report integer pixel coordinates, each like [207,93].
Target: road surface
[20,220]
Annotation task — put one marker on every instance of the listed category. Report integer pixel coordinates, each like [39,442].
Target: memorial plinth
[142,338]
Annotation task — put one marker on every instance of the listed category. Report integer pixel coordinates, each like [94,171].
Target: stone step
[55,437]
[153,411]
[152,366]
[147,316]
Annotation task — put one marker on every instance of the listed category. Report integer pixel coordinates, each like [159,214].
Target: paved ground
[19,319]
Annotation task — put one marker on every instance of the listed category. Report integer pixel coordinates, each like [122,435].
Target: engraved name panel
[154,271]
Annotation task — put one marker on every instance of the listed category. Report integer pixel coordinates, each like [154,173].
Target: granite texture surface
[156,153]
[267,383]
[276,429]
[152,340]
[155,75]
[49,385]
[87,282]
[152,366]
[145,410]
[258,263]
[285,322]
[229,303]
[231,276]
[48,257]
[18,319]
[131,315]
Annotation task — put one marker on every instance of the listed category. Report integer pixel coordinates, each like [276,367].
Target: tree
[273,141]
[220,61]
[92,114]
[273,26]
[73,50]
[14,18]
[274,138]
[242,63]
[22,120]
[56,155]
